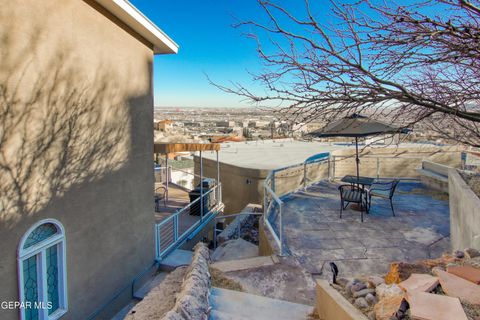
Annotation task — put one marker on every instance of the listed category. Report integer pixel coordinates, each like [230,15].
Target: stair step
[175,259]
[219,315]
[243,264]
[246,305]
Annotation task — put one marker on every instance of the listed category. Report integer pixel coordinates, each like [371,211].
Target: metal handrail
[378,158]
[171,224]
[215,230]
[272,199]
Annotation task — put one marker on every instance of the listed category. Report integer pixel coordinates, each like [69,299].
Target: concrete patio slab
[315,234]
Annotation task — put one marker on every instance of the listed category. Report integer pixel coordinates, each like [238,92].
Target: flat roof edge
[131,16]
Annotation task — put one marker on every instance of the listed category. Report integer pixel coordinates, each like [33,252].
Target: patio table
[364,181]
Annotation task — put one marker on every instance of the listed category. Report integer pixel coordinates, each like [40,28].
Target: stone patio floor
[315,235]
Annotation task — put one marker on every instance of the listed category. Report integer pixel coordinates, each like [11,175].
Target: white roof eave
[131,16]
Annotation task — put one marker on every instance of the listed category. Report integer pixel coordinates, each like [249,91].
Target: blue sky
[208,44]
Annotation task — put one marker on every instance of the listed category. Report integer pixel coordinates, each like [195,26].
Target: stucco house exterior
[76,155]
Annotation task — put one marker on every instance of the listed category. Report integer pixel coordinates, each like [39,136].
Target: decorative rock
[466,272]
[336,287]
[361,303]
[388,290]
[348,290]
[419,282]
[387,307]
[400,271]
[434,307]
[363,293]
[371,315]
[357,287]
[459,254]
[342,282]
[457,287]
[371,299]
[375,281]
[474,262]
[471,253]
[440,262]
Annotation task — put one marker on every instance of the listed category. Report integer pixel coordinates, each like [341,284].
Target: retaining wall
[464,213]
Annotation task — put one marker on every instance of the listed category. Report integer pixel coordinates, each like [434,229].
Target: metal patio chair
[160,194]
[352,194]
[382,189]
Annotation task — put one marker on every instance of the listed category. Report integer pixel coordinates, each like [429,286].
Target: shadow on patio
[315,235]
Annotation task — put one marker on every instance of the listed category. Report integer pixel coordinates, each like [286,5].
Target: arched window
[42,272]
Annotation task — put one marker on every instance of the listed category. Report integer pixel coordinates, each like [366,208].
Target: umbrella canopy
[356,126]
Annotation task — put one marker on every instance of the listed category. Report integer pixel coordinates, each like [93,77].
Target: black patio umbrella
[355,126]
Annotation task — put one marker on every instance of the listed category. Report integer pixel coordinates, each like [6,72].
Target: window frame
[39,249]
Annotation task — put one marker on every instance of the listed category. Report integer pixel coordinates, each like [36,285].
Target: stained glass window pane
[39,234]
[30,287]
[52,277]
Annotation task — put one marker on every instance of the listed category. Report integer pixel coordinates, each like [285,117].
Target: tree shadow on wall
[58,127]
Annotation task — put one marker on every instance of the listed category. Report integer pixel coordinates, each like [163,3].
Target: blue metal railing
[272,197]
[173,231]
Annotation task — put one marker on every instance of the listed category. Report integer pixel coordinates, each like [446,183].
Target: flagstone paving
[315,235]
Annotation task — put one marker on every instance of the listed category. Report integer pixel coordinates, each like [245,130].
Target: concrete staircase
[234,305]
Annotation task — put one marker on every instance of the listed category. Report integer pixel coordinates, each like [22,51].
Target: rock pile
[192,301]
[433,289]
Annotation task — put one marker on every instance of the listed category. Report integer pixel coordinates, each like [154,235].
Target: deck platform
[315,234]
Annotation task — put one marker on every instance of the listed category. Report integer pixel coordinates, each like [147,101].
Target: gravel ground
[161,299]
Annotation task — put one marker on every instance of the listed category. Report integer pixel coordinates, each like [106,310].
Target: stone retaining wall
[231,231]
[192,301]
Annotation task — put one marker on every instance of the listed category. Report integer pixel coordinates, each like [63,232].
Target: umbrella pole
[357,160]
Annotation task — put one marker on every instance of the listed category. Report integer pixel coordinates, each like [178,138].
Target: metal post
[159,239]
[175,227]
[201,186]
[333,173]
[357,159]
[305,175]
[218,179]
[328,174]
[166,176]
[378,167]
[281,228]
[264,203]
[214,234]
[273,181]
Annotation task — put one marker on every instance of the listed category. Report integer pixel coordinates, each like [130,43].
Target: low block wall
[331,305]
[464,213]
[434,175]
[437,168]
[392,162]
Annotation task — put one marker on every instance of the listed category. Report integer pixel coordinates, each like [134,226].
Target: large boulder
[387,307]
[388,290]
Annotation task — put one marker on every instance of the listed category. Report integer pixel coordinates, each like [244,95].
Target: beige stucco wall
[245,185]
[240,186]
[77,144]
[464,213]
